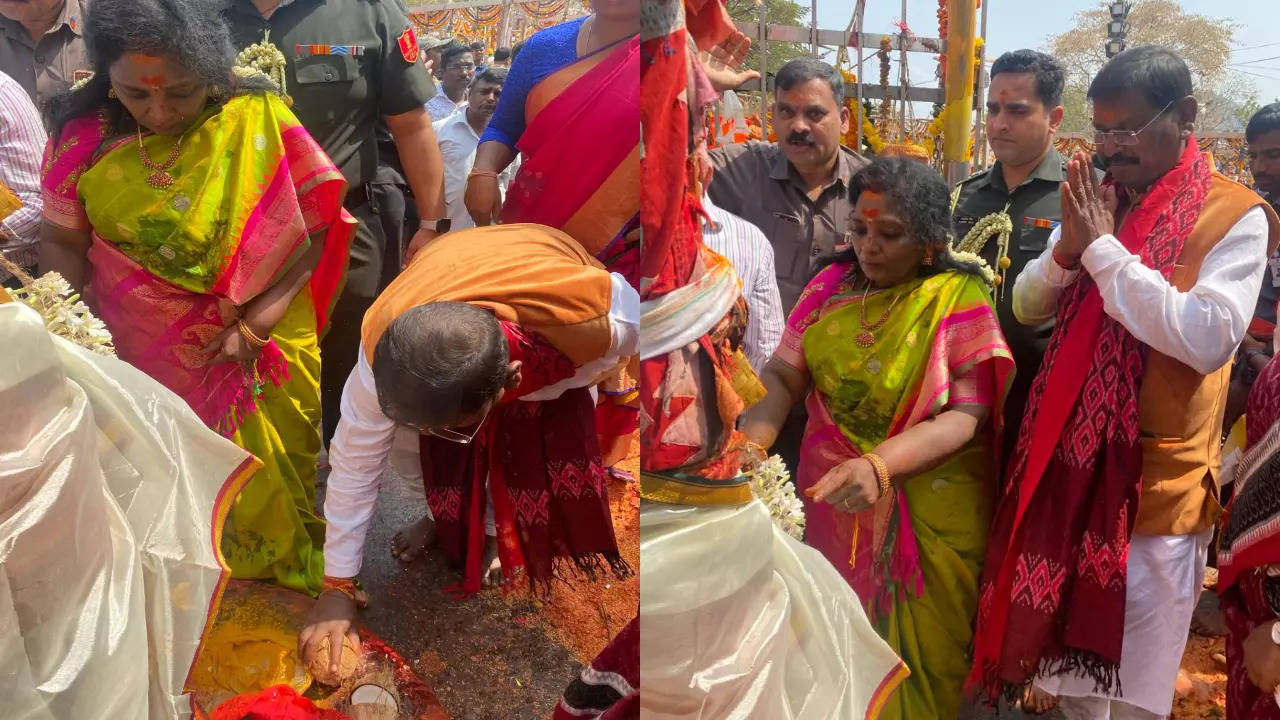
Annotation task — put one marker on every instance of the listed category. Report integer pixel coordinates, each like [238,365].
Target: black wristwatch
[441,226]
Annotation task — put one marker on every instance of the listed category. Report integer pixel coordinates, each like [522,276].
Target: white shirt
[362,442]
[752,256]
[441,107]
[22,141]
[458,142]
[1201,327]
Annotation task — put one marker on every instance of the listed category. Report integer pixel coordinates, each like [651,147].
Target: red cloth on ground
[275,703]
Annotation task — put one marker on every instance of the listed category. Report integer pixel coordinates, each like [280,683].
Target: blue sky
[1013,24]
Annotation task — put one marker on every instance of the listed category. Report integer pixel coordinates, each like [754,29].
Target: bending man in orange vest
[1098,547]
[488,343]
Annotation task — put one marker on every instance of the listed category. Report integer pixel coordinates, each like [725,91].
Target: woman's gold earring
[111,93]
[928,257]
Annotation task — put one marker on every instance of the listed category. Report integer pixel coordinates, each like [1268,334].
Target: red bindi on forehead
[869,211]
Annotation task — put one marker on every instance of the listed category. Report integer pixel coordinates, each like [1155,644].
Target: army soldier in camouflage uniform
[1024,108]
[350,64]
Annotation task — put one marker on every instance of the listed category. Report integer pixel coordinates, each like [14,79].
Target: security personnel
[41,46]
[351,63]
[1024,109]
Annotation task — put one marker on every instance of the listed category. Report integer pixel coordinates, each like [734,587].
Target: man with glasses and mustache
[1099,542]
[488,344]
[796,190]
[457,68]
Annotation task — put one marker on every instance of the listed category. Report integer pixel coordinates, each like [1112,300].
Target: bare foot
[411,542]
[1037,701]
[493,575]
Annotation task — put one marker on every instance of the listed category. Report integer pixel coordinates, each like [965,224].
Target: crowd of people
[1003,404]
[1008,444]
[306,227]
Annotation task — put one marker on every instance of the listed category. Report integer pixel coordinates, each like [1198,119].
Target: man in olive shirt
[796,190]
[41,46]
[1024,107]
[351,63]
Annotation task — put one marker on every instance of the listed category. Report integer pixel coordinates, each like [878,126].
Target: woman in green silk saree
[206,228]
[905,369]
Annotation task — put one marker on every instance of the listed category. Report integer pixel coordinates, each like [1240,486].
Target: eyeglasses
[1126,138]
[464,67]
[454,435]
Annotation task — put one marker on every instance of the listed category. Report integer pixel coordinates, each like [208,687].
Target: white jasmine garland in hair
[967,257]
[65,315]
[771,482]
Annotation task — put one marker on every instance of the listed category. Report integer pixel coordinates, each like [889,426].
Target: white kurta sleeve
[357,457]
[1201,327]
[624,328]
[1040,284]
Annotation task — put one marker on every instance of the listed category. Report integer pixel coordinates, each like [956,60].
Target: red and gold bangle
[482,173]
[347,586]
[249,336]
[883,476]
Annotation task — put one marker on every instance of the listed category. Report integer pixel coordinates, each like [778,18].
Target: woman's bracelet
[249,335]
[483,173]
[347,586]
[883,476]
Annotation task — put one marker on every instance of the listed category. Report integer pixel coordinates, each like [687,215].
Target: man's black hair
[1050,78]
[439,362]
[502,54]
[453,50]
[1159,74]
[1264,121]
[492,74]
[802,70]
[515,50]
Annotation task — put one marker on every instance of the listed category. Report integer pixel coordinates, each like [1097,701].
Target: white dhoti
[1163,584]
[739,620]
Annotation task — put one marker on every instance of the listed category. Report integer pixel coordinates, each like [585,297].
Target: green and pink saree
[915,558]
[170,270]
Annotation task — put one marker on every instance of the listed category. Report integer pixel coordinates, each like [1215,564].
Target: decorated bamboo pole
[961,16]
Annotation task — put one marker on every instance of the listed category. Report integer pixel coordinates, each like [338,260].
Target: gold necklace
[867,337]
[160,177]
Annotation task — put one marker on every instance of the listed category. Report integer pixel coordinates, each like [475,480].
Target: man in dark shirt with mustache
[795,190]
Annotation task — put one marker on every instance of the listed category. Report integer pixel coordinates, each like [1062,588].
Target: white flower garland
[65,315]
[771,482]
[998,225]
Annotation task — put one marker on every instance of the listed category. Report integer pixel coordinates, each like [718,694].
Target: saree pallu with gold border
[170,269]
[914,558]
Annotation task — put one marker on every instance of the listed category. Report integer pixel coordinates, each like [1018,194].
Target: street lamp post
[1118,26]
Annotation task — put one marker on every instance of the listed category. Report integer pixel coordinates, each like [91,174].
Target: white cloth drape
[739,620]
[109,486]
